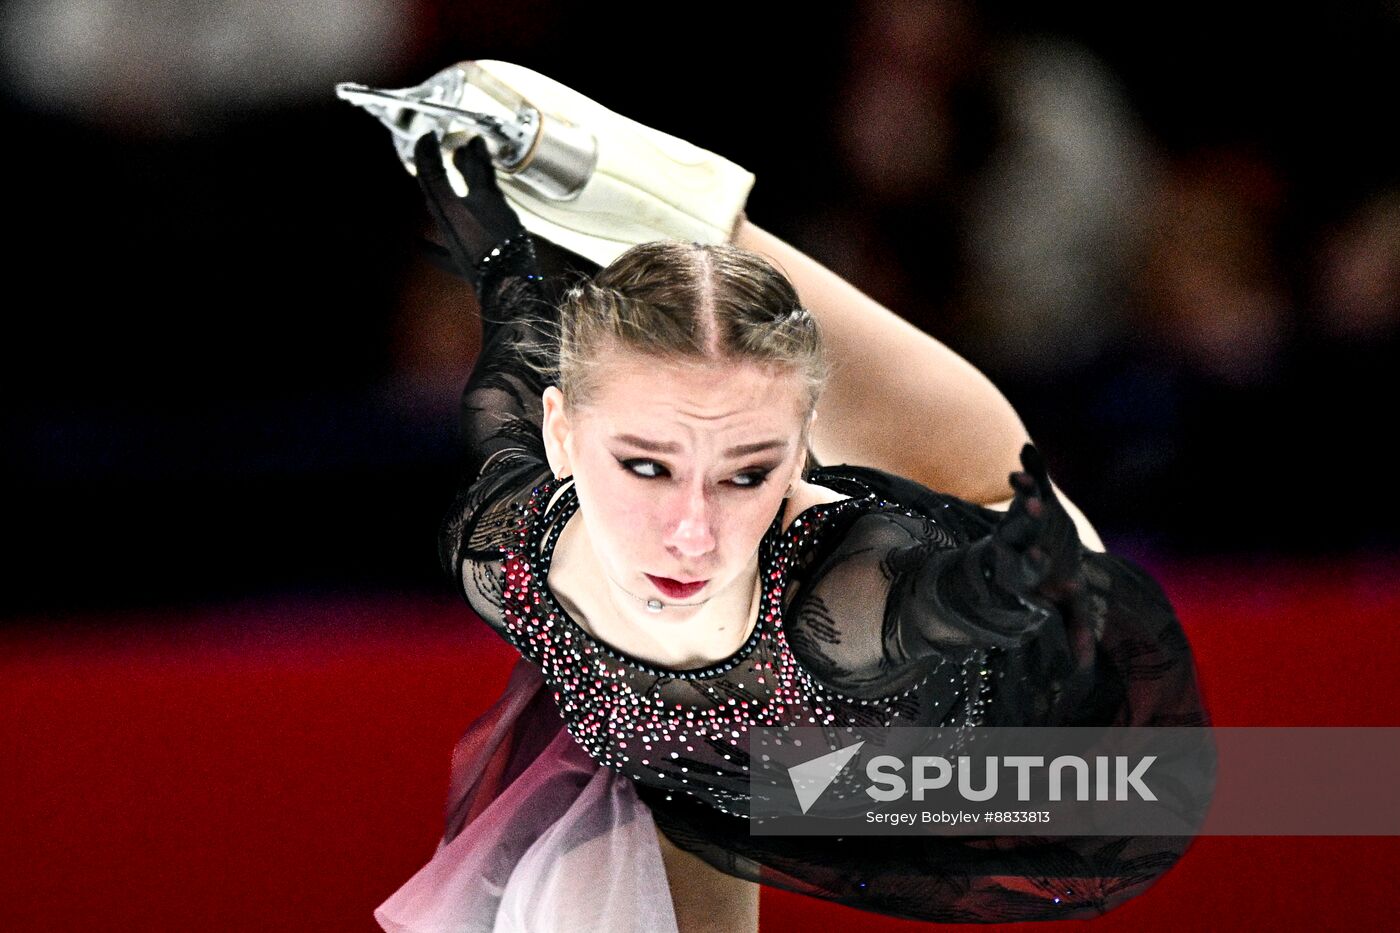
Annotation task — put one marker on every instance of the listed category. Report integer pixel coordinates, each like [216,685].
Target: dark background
[228,371]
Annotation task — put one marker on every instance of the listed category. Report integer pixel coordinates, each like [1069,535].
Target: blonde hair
[687,302]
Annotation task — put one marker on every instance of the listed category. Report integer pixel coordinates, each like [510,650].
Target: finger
[1031,460]
[1034,465]
[432,174]
[1021,482]
[473,160]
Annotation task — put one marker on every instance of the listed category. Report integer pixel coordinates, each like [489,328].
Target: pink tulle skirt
[539,837]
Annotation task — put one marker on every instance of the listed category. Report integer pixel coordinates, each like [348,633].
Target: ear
[797,468]
[796,476]
[557,432]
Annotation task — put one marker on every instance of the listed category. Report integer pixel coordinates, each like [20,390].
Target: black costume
[853,629]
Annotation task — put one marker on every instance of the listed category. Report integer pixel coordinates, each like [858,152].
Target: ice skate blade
[550,156]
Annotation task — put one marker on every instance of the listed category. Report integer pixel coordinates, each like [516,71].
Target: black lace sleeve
[867,623]
[503,452]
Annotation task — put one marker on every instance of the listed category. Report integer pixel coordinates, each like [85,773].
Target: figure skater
[701,496]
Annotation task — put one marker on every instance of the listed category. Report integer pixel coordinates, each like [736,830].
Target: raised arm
[502,448]
[887,375]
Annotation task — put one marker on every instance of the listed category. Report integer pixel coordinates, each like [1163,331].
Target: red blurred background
[283,765]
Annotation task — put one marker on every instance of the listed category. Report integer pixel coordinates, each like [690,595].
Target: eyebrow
[658,447]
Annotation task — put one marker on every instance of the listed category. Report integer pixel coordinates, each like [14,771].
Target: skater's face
[680,468]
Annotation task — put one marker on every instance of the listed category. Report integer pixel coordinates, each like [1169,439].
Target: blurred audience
[1137,294]
[1187,279]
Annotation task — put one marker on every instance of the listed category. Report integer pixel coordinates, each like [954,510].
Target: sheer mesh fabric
[867,646]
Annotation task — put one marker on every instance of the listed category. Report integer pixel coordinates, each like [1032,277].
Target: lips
[675,589]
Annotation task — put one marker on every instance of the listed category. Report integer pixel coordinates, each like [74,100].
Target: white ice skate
[578,174]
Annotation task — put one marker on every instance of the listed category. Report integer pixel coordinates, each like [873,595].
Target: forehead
[729,396]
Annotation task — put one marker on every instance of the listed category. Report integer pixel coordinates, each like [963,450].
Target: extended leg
[706,899]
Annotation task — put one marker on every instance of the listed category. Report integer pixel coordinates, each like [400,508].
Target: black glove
[1034,553]
[1002,589]
[481,231]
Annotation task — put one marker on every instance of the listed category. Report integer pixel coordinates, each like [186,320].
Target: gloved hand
[478,224]
[1035,552]
[1003,589]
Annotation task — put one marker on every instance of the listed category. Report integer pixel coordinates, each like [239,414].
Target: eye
[751,479]
[650,469]
[647,469]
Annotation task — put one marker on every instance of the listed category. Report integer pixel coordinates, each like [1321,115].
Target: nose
[690,527]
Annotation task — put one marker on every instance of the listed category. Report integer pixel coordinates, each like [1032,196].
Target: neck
[680,635]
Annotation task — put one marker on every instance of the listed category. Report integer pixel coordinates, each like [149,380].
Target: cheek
[634,520]
[621,511]
[746,520]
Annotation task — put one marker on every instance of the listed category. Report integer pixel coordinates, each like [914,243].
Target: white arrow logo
[811,778]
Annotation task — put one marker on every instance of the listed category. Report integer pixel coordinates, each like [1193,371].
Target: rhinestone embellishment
[612,703]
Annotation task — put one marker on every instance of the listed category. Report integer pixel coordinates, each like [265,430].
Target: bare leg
[707,900]
[898,399]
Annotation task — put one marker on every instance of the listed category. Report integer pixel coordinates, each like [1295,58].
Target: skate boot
[579,175]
